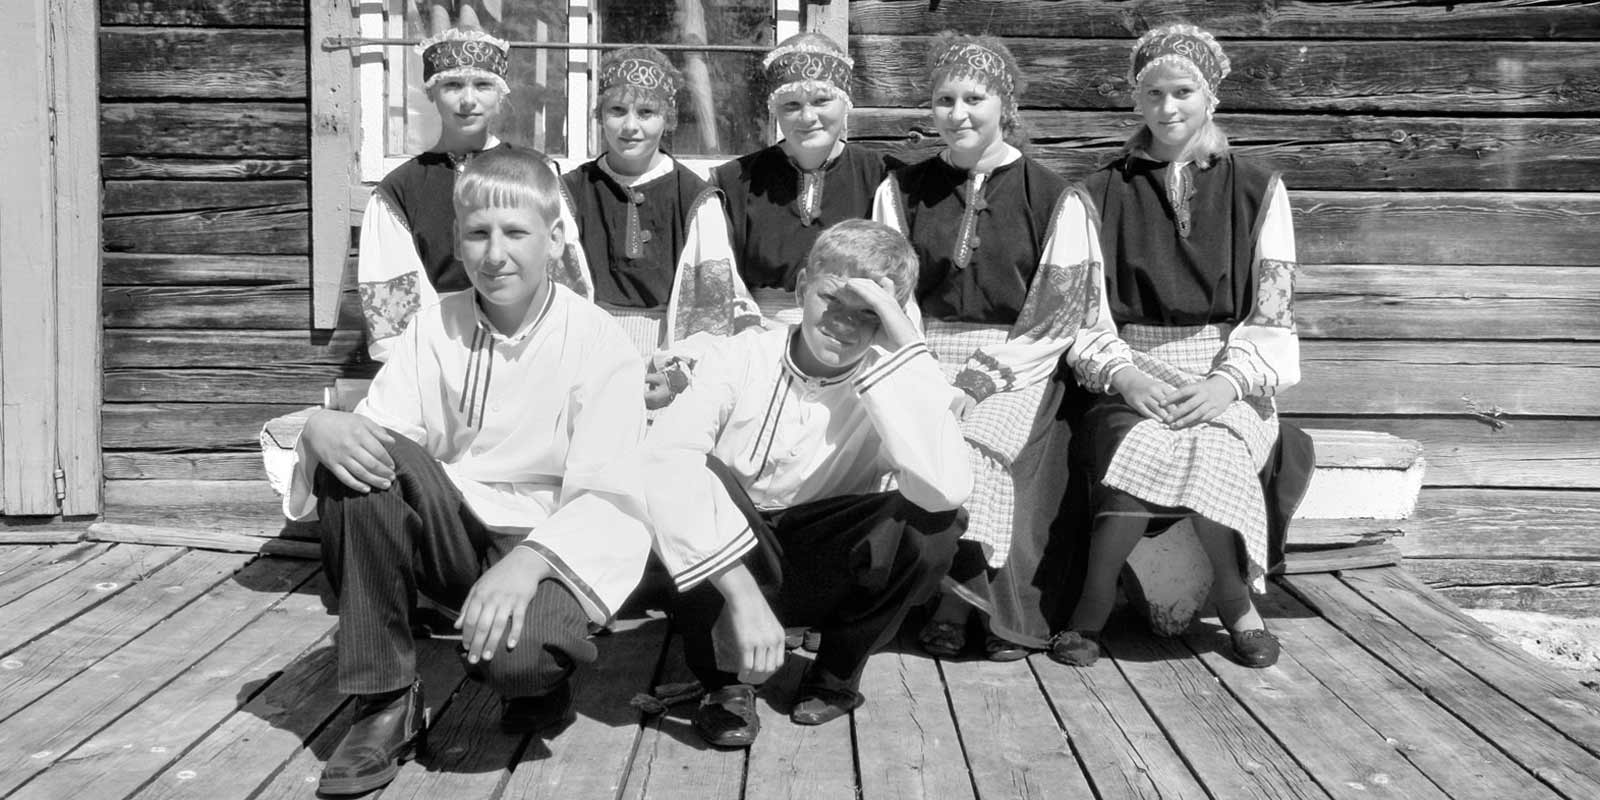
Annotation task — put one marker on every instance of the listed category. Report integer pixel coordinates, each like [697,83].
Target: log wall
[1444,161]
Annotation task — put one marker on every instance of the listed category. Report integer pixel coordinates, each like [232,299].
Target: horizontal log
[1468,452]
[268,230]
[1451,302]
[229,541]
[126,167]
[1568,588]
[147,197]
[1446,228]
[1503,523]
[42,535]
[152,269]
[257,383]
[1355,448]
[230,348]
[225,64]
[131,466]
[1361,556]
[1296,75]
[1406,19]
[1492,379]
[242,506]
[223,13]
[262,307]
[186,426]
[1314,151]
[204,130]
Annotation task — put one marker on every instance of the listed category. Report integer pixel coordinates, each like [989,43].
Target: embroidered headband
[643,74]
[966,58]
[804,61]
[464,53]
[1185,46]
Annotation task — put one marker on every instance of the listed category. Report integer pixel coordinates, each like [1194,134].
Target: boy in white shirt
[764,483]
[481,470]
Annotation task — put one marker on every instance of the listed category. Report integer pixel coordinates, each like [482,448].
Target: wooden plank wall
[204,150]
[1445,172]
[1443,159]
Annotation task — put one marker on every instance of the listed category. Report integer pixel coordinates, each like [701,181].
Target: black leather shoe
[823,698]
[386,729]
[549,711]
[1255,648]
[1075,648]
[727,716]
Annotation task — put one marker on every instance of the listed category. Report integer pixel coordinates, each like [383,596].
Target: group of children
[816,473]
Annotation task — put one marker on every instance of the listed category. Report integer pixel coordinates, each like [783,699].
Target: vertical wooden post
[830,18]
[335,139]
[27,266]
[74,52]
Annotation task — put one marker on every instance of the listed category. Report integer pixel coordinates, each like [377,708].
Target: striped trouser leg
[554,641]
[379,549]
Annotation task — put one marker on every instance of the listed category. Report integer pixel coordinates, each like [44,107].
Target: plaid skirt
[1211,469]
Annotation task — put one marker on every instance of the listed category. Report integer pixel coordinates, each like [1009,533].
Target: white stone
[1362,493]
[1168,579]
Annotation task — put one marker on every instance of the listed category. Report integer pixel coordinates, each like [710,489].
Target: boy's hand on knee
[747,637]
[497,606]
[749,641]
[352,447]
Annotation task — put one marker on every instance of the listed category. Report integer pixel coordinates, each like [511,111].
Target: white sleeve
[886,205]
[1263,352]
[389,276]
[908,401]
[708,296]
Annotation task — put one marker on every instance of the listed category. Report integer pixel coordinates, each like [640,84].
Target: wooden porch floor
[132,671]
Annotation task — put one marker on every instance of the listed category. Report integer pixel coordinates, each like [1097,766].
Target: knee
[928,544]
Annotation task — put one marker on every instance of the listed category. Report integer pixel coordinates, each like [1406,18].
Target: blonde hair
[862,248]
[1209,143]
[509,178]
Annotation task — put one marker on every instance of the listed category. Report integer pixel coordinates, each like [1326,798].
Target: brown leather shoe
[727,717]
[385,731]
[1255,648]
[551,711]
[823,698]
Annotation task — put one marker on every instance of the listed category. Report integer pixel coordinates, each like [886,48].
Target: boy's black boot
[381,737]
[727,717]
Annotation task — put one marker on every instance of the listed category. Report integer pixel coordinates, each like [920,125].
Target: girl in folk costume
[407,251]
[1193,339]
[1006,249]
[782,197]
[652,231]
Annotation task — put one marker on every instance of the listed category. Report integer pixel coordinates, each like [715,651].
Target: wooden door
[49,260]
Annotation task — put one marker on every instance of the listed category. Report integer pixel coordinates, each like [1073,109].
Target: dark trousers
[849,566]
[380,550]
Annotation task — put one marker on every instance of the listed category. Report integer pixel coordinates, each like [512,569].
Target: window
[721,114]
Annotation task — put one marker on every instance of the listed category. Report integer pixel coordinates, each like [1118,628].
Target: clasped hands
[1175,406]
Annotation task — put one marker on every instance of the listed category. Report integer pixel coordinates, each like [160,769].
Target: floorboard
[1233,756]
[1124,752]
[38,668]
[45,731]
[906,740]
[148,673]
[1420,730]
[1015,748]
[1542,750]
[589,760]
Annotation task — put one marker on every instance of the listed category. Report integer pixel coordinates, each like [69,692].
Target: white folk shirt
[529,428]
[791,439]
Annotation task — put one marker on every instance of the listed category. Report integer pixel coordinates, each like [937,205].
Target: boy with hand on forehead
[482,471]
[763,482]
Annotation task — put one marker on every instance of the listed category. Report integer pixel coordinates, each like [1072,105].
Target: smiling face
[968,115]
[466,105]
[811,121]
[835,330]
[632,132]
[505,252]
[1175,107]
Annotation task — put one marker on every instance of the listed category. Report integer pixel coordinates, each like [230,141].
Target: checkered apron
[1213,469]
